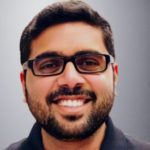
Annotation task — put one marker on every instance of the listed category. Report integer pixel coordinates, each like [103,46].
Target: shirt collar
[35,137]
[114,138]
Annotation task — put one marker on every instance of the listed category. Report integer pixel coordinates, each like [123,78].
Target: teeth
[71,103]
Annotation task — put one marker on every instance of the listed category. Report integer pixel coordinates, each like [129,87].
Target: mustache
[63,91]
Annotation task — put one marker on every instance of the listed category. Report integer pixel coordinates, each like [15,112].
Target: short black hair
[63,12]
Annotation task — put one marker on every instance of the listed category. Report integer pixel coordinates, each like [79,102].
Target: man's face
[87,98]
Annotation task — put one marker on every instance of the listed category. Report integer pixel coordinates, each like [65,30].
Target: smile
[72,101]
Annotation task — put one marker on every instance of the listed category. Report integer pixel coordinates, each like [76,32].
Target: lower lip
[72,110]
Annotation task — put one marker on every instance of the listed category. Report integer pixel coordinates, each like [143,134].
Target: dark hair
[62,12]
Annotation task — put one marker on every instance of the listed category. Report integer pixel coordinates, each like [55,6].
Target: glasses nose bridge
[69,59]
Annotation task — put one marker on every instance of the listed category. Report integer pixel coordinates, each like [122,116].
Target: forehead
[67,39]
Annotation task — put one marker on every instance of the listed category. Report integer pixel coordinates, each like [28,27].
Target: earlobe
[24,100]
[22,78]
[115,66]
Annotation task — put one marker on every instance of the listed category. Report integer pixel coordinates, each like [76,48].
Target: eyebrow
[87,52]
[45,54]
[55,54]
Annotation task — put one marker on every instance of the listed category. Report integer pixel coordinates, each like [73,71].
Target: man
[69,79]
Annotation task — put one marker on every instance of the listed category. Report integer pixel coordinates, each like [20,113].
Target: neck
[92,143]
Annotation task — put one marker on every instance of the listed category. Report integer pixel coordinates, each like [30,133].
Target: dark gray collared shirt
[114,140]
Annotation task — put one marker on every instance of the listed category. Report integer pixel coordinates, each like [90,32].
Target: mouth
[72,105]
[72,102]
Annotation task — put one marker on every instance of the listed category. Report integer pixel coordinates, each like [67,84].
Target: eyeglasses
[55,65]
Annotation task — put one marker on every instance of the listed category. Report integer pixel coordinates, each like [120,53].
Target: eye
[48,65]
[90,62]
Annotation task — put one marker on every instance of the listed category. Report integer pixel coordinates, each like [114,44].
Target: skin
[67,39]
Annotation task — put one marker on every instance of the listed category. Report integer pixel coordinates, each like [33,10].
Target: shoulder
[18,145]
[115,139]
[32,142]
[134,144]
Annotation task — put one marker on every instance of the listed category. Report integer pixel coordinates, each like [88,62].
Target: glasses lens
[47,66]
[90,63]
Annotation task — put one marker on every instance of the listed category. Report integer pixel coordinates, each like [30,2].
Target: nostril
[78,85]
[64,86]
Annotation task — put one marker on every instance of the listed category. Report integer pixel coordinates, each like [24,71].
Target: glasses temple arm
[111,59]
[25,66]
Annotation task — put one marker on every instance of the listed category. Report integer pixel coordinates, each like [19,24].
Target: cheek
[100,83]
[40,86]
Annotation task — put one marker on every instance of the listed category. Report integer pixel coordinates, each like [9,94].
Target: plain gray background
[130,22]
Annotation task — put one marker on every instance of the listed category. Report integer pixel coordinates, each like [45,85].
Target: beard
[76,127]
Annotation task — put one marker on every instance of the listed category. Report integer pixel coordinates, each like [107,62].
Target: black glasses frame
[29,63]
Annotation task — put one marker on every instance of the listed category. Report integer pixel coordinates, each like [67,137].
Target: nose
[70,78]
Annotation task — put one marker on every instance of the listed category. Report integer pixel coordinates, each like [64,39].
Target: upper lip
[71,97]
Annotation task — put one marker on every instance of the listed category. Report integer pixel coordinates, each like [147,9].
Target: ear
[115,66]
[22,78]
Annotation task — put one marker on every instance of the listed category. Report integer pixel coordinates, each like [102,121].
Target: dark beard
[53,127]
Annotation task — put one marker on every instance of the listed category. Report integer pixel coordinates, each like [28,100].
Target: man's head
[71,81]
